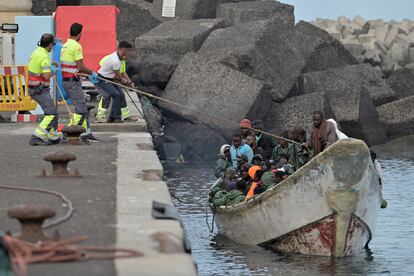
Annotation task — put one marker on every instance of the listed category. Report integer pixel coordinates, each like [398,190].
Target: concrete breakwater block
[355,112]
[215,89]
[134,19]
[247,11]
[320,50]
[362,75]
[296,111]
[386,44]
[160,50]
[186,9]
[402,82]
[259,50]
[204,139]
[398,117]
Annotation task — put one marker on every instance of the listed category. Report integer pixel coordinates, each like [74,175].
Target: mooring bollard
[60,162]
[73,134]
[31,219]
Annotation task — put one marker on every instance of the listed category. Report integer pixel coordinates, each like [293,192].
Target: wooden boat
[329,207]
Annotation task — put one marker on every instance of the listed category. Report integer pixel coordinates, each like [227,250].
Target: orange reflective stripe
[69,69]
[37,79]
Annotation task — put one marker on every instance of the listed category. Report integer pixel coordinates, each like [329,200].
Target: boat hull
[329,207]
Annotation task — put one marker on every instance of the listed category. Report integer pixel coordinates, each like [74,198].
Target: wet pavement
[93,195]
[391,250]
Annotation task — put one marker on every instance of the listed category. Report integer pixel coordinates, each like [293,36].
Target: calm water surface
[391,250]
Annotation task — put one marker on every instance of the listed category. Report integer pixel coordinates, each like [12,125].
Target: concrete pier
[121,176]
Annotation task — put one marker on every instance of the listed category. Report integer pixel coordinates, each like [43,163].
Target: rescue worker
[40,73]
[72,62]
[113,68]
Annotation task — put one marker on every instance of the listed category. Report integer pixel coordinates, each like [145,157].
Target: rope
[211,229]
[64,101]
[192,109]
[186,202]
[23,253]
[59,195]
[186,140]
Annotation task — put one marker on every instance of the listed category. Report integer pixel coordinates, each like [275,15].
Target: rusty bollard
[73,134]
[60,162]
[31,219]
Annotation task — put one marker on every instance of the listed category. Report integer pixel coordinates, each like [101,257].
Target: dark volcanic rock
[361,75]
[398,117]
[321,50]
[247,11]
[356,114]
[259,50]
[402,82]
[152,116]
[205,140]
[296,111]
[134,19]
[174,39]
[187,9]
[216,90]
[159,51]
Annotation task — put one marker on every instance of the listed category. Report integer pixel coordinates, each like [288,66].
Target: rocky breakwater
[388,46]
[248,59]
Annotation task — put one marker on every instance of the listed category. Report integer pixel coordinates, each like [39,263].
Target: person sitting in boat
[241,161]
[258,160]
[321,134]
[223,162]
[229,179]
[282,169]
[301,155]
[237,195]
[283,147]
[244,174]
[268,178]
[264,141]
[238,148]
[339,134]
[245,126]
[251,141]
[232,197]
[256,187]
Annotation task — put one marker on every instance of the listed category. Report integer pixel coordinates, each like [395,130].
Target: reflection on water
[392,249]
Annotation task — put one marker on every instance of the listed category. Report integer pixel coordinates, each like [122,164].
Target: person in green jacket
[220,198]
[223,162]
[225,198]
[268,179]
[283,147]
[301,154]
[238,195]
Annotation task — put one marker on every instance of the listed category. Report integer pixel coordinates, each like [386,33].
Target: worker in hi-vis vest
[113,68]
[71,59]
[40,73]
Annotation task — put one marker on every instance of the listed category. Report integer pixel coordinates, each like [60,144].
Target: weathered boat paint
[329,207]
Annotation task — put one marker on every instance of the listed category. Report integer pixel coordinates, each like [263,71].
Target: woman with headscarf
[339,134]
